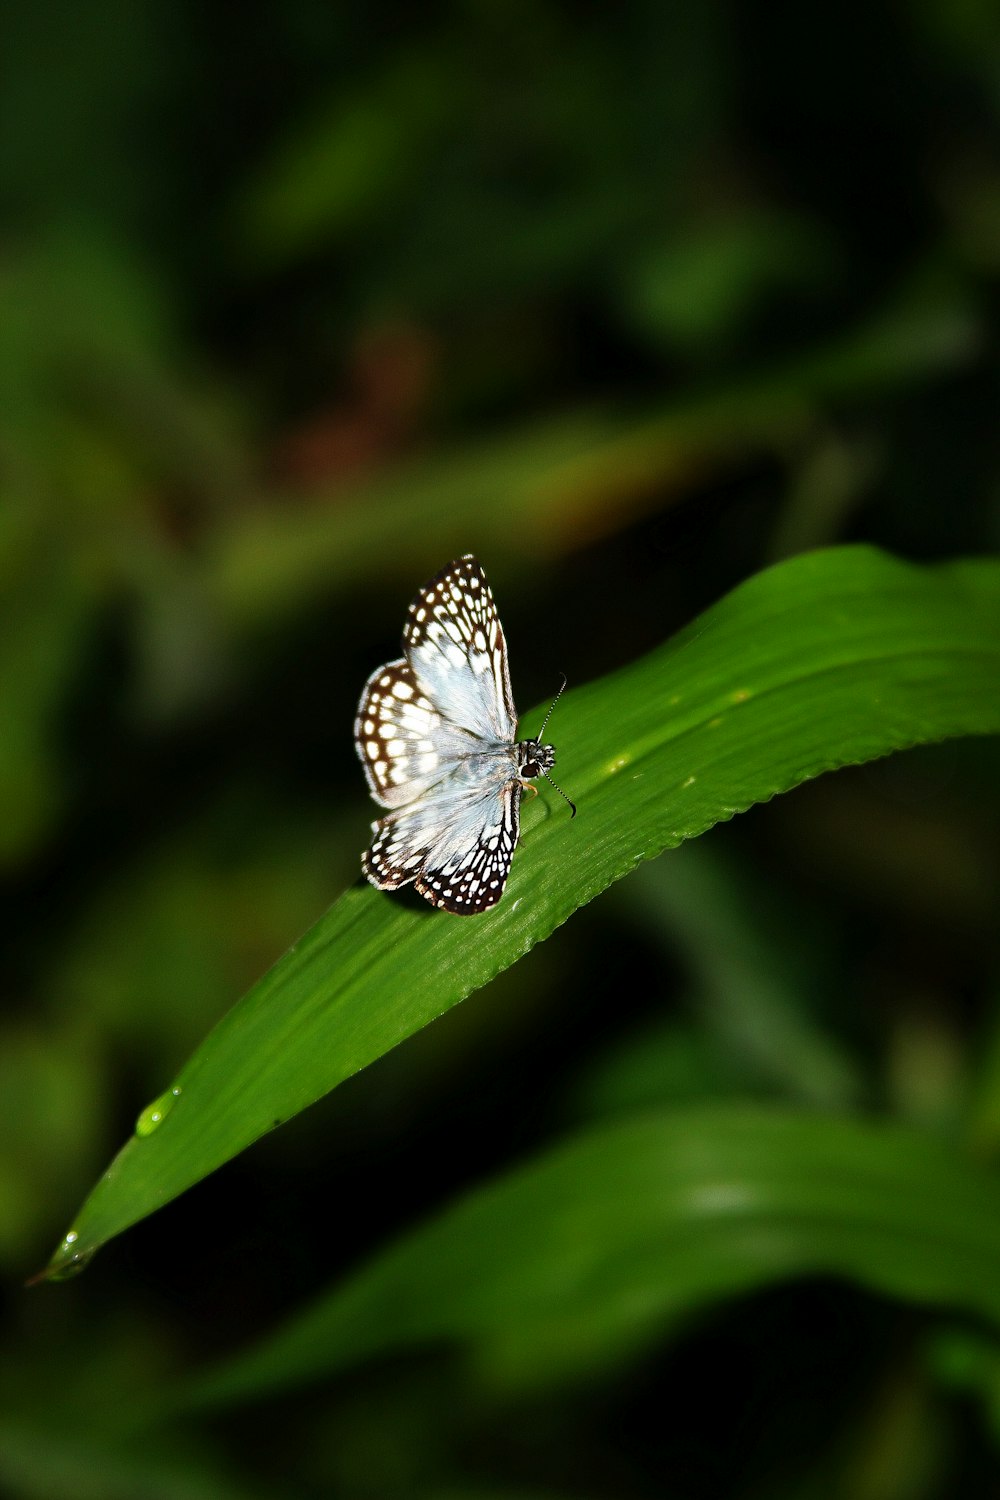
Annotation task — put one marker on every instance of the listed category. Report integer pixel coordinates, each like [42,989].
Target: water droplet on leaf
[67,1261]
[65,1265]
[154,1114]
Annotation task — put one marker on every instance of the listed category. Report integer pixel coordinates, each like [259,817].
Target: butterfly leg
[526,786]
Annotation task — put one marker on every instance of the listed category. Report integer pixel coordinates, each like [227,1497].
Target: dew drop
[154,1114]
[69,1263]
[66,1262]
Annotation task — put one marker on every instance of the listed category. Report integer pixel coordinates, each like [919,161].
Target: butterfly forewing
[454,641]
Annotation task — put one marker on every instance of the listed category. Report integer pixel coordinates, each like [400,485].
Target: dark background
[296,303]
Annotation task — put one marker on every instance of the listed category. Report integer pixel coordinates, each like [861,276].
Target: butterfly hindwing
[404,743]
[473,879]
[457,847]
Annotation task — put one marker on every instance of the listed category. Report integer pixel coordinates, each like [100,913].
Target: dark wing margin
[392,860]
[396,735]
[474,880]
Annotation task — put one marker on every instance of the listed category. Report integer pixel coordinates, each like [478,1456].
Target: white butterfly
[437,735]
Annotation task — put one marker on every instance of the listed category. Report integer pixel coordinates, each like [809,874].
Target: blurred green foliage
[295,306]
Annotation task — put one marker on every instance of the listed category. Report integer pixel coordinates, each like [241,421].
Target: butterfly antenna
[572,804]
[538,740]
[538,736]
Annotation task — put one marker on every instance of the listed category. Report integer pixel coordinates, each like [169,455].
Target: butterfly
[436,732]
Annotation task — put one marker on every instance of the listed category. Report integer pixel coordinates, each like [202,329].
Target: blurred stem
[750,983]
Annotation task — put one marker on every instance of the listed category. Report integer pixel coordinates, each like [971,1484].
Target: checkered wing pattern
[457,846]
[435,732]
[454,642]
[405,743]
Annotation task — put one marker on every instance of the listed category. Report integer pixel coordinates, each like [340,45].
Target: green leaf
[590,1250]
[830,659]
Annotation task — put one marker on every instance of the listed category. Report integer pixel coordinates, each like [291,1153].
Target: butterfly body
[436,733]
[534,759]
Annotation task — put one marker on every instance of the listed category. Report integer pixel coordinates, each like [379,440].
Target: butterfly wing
[404,743]
[454,642]
[456,844]
[435,733]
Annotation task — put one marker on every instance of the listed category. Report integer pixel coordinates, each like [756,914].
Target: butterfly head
[536,759]
[533,758]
